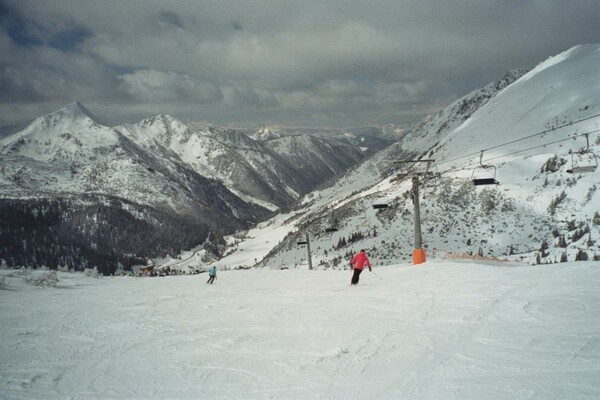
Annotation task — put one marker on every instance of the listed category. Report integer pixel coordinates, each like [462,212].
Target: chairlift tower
[418,252]
[307,243]
[419,256]
[310,267]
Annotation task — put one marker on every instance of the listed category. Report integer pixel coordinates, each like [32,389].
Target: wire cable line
[571,123]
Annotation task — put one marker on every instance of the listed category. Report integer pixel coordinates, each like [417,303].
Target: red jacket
[360,260]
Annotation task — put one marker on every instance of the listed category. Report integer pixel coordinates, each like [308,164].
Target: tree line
[93,232]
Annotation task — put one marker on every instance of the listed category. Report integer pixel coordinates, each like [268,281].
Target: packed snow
[441,330]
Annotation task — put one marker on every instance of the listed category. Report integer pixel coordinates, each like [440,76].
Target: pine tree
[562,242]
[543,248]
[596,218]
[581,256]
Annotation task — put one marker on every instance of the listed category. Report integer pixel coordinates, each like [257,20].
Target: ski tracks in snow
[445,348]
[423,332]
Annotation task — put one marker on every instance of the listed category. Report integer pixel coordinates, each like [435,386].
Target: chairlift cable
[411,167]
[543,132]
[543,145]
[527,137]
[467,166]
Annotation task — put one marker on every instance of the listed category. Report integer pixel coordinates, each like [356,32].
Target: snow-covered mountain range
[272,173]
[173,184]
[528,130]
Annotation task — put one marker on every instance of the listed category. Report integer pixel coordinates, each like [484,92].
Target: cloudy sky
[303,63]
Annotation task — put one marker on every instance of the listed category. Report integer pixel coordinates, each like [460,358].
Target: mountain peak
[164,122]
[74,117]
[75,111]
[263,133]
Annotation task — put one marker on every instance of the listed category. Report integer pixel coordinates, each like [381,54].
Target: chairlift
[380,202]
[581,166]
[487,180]
[379,206]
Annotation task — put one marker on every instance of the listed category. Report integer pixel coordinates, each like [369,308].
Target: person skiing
[358,263]
[212,274]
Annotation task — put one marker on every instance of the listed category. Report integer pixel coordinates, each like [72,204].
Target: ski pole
[378,277]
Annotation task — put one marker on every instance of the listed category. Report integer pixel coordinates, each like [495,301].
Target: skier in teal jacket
[212,274]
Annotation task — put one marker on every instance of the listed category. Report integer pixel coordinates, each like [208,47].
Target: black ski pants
[356,275]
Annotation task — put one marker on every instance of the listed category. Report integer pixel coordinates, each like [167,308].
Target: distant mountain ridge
[273,173]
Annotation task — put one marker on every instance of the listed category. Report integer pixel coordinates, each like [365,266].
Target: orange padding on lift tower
[418,256]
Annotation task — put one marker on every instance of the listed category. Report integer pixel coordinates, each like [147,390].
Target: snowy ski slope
[442,330]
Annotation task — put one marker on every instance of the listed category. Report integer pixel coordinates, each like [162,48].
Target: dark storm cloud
[69,38]
[308,62]
[28,32]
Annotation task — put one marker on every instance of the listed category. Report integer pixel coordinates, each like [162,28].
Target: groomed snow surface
[441,330]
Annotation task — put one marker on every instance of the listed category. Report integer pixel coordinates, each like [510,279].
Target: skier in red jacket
[358,263]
